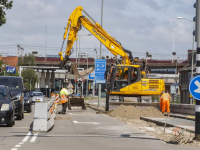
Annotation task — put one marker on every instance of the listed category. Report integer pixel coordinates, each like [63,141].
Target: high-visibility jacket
[165,102]
[63,95]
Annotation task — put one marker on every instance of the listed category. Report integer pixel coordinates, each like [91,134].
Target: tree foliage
[8,5]
[30,77]
[27,60]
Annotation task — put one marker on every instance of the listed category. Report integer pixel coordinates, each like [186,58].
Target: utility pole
[99,93]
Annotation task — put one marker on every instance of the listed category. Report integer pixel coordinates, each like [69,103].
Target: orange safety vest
[63,98]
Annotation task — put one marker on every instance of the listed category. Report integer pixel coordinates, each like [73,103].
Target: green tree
[8,5]
[30,77]
[27,60]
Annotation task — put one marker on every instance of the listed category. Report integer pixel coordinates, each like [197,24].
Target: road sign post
[100,68]
[196,80]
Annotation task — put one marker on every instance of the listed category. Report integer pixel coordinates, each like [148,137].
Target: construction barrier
[44,115]
[57,98]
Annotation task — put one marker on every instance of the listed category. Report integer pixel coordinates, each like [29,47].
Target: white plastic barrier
[45,113]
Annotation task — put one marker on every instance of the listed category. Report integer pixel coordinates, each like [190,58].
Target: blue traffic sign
[194,87]
[11,70]
[100,68]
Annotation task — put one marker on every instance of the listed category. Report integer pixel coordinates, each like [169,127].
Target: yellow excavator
[125,79]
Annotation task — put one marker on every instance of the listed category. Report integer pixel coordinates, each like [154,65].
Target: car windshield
[2,93]
[37,94]
[12,83]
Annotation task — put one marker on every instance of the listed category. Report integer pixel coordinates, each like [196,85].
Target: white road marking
[34,138]
[21,143]
[76,114]
[86,122]
[14,149]
[26,137]
[17,145]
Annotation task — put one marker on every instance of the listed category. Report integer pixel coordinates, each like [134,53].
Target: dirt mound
[132,112]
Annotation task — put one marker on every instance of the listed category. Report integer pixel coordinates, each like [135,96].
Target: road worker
[63,99]
[165,102]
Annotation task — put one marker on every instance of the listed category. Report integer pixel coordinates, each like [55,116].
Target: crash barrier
[53,95]
[57,98]
[76,101]
[187,109]
[44,115]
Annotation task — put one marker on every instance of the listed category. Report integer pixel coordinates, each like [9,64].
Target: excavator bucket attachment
[82,74]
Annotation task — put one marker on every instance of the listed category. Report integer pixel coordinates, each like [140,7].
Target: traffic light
[196,19]
[0,70]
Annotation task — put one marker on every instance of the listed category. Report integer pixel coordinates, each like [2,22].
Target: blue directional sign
[194,87]
[92,76]
[100,68]
[11,70]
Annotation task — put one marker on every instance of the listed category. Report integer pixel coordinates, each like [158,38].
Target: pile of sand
[132,112]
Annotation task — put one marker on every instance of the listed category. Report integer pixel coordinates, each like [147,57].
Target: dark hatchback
[27,102]
[15,85]
[7,107]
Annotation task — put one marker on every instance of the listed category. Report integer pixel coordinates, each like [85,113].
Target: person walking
[63,99]
[165,102]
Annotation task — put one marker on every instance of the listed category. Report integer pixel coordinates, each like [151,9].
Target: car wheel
[14,120]
[22,115]
[11,123]
[30,110]
[19,117]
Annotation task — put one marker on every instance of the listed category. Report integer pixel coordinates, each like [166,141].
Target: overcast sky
[139,25]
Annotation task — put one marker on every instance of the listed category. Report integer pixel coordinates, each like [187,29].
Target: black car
[7,107]
[15,85]
[27,103]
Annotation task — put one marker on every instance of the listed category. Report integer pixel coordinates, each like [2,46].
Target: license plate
[37,100]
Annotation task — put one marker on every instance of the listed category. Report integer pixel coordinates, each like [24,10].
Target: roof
[12,61]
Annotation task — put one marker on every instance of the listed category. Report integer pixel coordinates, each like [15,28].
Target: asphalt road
[81,130]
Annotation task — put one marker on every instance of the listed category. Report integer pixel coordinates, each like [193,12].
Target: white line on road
[14,149]
[21,143]
[34,138]
[17,145]
[86,122]
[76,114]
[26,137]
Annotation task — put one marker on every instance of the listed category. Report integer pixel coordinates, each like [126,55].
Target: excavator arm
[75,21]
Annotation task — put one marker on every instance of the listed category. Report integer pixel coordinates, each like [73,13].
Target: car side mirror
[24,90]
[14,98]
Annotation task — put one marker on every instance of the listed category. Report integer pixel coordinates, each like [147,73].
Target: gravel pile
[132,112]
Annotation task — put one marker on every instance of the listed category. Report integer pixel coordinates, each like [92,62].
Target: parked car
[37,97]
[27,102]
[15,85]
[7,106]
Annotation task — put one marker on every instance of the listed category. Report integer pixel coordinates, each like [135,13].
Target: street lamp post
[192,44]
[173,44]
[45,41]
[176,65]
[80,46]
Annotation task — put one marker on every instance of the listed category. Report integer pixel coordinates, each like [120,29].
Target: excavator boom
[75,21]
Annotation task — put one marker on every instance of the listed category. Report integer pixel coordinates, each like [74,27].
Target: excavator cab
[123,76]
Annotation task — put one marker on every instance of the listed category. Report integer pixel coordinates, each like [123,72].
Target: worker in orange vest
[64,99]
[165,102]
